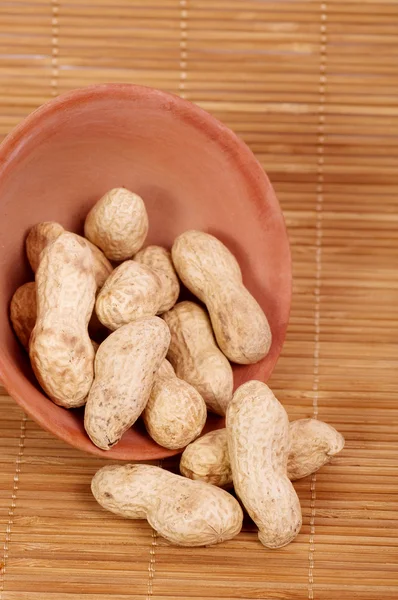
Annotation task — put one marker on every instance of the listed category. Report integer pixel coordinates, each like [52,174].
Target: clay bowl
[192,172]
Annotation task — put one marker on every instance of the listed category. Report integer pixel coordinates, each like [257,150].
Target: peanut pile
[168,362]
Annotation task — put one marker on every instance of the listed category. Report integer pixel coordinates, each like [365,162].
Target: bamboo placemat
[312,88]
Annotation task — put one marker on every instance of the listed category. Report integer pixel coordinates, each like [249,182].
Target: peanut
[43,234]
[313,443]
[207,459]
[210,271]
[60,348]
[40,236]
[101,265]
[159,260]
[131,292]
[23,312]
[118,224]
[185,512]
[125,366]
[175,413]
[258,445]
[195,356]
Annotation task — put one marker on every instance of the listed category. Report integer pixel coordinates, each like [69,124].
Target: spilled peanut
[185,512]
[313,444]
[258,446]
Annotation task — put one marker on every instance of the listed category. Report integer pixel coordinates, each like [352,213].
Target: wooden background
[312,88]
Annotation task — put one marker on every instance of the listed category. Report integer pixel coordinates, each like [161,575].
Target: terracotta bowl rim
[254,172]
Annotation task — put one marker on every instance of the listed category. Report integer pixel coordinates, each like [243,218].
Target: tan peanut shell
[159,259]
[43,234]
[118,224]
[258,445]
[196,357]
[131,292]
[175,413]
[39,237]
[23,312]
[126,364]
[210,271]
[207,459]
[185,512]
[60,349]
[313,443]
[102,266]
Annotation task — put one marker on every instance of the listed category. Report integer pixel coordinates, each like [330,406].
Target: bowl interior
[192,173]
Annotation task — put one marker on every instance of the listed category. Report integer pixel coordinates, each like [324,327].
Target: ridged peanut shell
[60,349]
[131,292]
[39,237]
[210,271]
[313,443]
[186,513]
[101,265]
[43,234]
[207,459]
[258,445]
[126,364]
[175,413]
[159,259]
[196,357]
[118,224]
[23,311]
